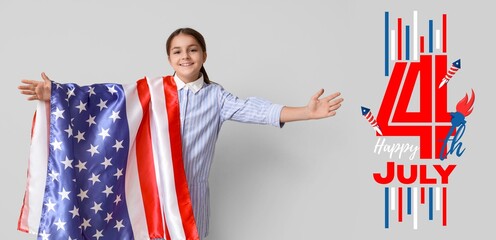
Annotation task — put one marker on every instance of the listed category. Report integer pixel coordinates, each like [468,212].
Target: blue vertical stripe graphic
[430,204]
[386,207]
[409,201]
[386,44]
[407,42]
[431,35]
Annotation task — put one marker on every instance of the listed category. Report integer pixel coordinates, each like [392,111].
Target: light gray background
[310,180]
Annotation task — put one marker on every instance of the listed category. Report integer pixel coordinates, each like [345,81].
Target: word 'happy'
[396,148]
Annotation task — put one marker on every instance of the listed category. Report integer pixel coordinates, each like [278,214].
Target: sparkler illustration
[454,67]
[368,115]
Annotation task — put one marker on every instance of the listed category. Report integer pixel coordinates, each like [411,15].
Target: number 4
[398,121]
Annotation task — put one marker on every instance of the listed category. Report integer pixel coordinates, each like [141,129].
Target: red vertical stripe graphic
[422,195]
[146,169]
[400,204]
[400,28]
[421,44]
[182,191]
[445,33]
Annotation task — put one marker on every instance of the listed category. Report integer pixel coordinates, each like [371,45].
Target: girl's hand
[315,109]
[37,90]
[324,107]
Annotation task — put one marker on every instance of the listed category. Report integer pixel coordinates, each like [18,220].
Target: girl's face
[186,57]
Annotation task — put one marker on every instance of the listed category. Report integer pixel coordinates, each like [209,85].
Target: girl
[204,106]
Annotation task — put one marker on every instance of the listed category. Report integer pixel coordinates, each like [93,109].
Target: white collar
[194,86]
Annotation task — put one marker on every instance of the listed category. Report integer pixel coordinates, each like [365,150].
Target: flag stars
[81,165]
[112,89]
[81,106]
[98,234]
[119,225]
[70,93]
[108,190]
[80,136]
[94,178]
[91,120]
[96,207]
[60,224]
[44,235]
[118,145]
[117,199]
[75,130]
[50,206]
[65,194]
[74,212]
[102,104]
[58,113]
[68,131]
[56,145]
[115,116]
[118,174]
[82,195]
[67,163]
[92,91]
[104,133]
[106,162]
[93,149]
[109,217]
[85,224]
[54,175]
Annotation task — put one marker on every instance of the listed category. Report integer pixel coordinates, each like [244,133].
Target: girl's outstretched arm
[37,90]
[315,109]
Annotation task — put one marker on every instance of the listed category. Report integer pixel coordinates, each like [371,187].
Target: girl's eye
[193,50]
[175,52]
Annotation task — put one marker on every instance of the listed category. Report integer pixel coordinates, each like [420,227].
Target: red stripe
[24,215]
[421,44]
[445,29]
[400,204]
[399,38]
[422,195]
[146,170]
[445,206]
[183,197]
[167,235]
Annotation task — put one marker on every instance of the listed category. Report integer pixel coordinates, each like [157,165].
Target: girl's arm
[37,90]
[315,109]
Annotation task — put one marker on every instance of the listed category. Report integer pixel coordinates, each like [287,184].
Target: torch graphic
[453,69]
[368,115]
[463,108]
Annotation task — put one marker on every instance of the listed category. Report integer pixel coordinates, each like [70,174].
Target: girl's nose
[185,55]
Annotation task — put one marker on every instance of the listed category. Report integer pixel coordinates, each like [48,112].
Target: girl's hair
[199,38]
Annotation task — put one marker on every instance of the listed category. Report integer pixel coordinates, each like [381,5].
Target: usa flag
[106,163]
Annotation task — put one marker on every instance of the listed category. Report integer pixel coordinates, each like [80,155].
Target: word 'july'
[395,148]
[416,172]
